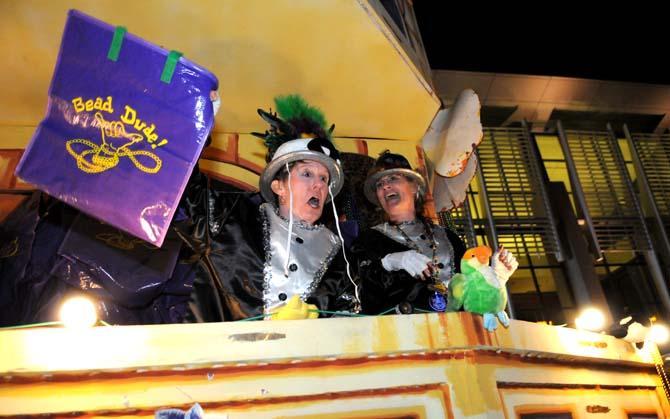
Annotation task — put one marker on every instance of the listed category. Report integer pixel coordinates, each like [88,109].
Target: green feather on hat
[294,118]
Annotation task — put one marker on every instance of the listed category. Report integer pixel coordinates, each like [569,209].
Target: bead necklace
[433,246]
[438,299]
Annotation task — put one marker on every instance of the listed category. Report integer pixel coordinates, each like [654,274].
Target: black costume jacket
[228,238]
[381,290]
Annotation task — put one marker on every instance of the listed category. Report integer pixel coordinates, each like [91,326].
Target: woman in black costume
[257,258]
[406,262]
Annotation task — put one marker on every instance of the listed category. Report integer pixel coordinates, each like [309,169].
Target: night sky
[620,45]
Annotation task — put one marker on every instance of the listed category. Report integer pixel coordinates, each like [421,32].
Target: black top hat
[386,164]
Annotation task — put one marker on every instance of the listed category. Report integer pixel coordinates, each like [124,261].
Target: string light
[591,319]
[658,334]
[78,312]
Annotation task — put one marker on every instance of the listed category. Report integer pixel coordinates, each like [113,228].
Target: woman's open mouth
[392,198]
[314,202]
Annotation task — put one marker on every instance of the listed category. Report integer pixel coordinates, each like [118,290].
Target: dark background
[618,43]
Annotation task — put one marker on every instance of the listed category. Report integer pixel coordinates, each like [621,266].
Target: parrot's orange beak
[483,254]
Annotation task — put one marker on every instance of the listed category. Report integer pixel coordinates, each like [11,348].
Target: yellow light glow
[78,312]
[658,334]
[590,319]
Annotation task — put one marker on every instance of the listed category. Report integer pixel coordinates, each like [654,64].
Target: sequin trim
[299,223]
[267,269]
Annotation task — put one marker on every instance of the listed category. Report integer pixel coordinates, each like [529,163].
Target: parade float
[363,63]
[409,366]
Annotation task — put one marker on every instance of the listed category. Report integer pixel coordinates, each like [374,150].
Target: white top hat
[316,149]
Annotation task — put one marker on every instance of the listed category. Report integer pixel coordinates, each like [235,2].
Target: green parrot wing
[456,291]
[481,297]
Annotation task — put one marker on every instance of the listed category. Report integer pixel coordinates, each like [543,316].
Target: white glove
[504,264]
[410,260]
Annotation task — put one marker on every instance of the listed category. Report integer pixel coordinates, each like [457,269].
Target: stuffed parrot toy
[480,288]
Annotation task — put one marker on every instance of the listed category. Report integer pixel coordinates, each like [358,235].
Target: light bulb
[78,312]
[590,319]
[658,334]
